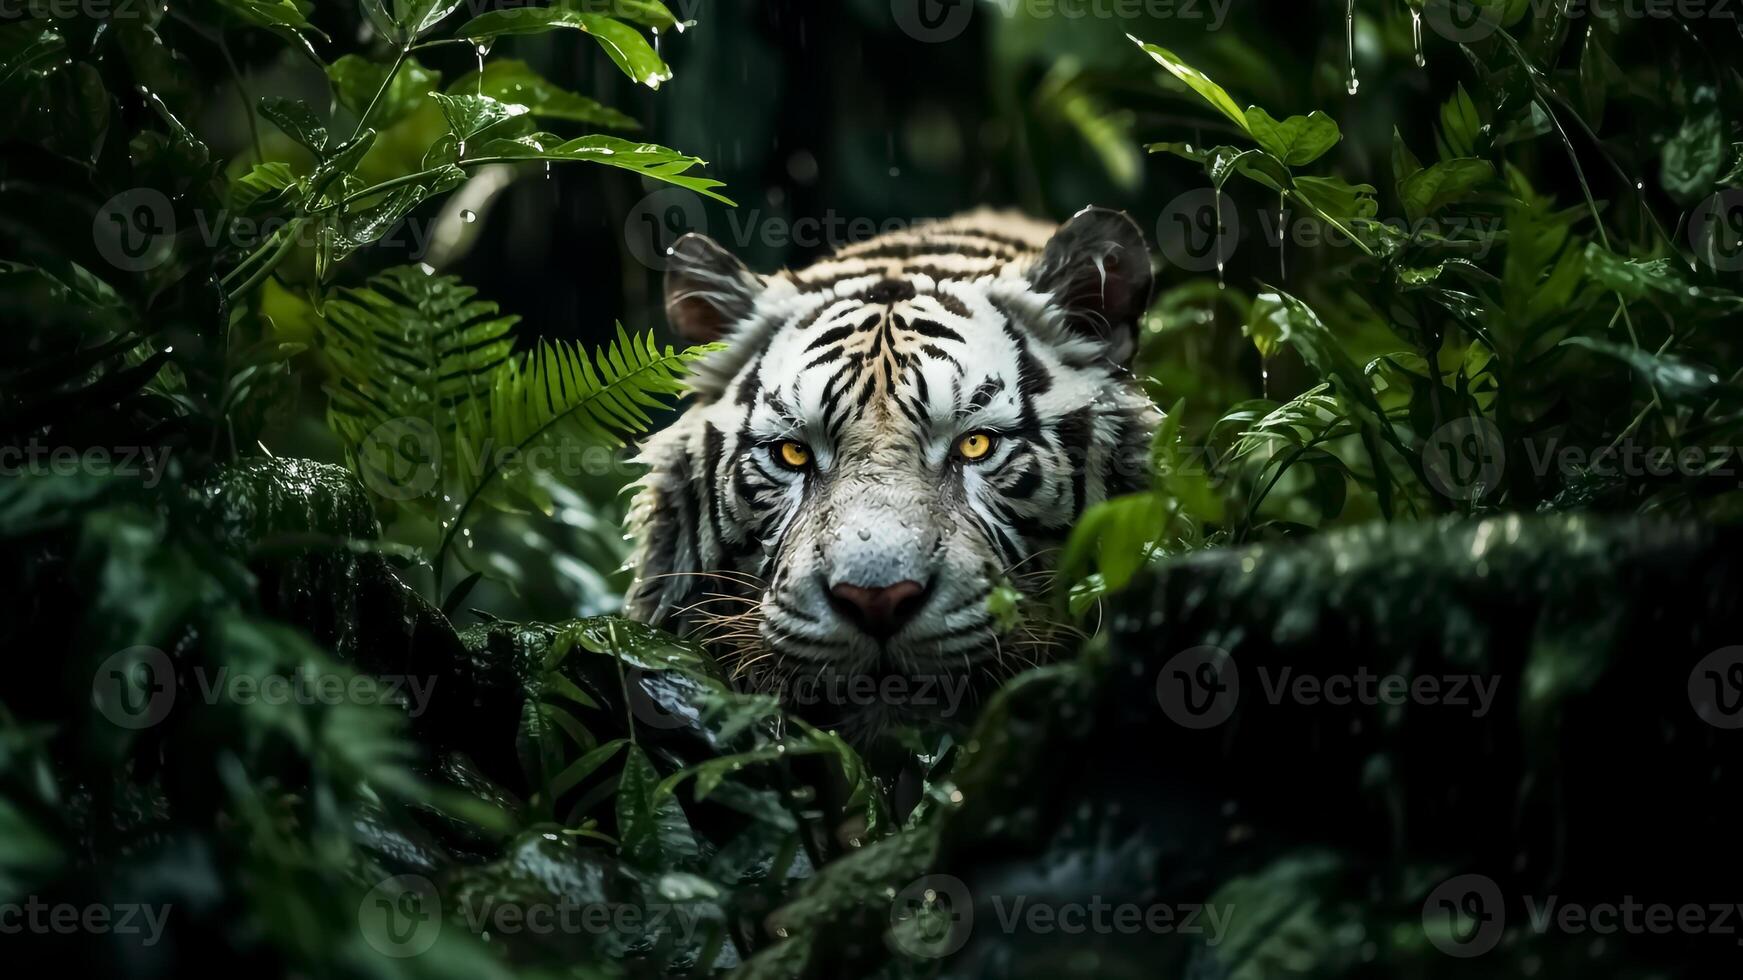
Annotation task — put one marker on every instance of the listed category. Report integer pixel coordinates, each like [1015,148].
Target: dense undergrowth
[1522,303]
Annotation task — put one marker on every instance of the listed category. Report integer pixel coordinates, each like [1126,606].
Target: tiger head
[888,436]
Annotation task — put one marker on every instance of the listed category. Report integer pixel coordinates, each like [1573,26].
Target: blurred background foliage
[1567,183]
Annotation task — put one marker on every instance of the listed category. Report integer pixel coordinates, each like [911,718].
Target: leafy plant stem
[281,246]
[386,83]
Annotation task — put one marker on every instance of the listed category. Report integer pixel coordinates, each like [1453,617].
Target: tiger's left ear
[1096,268]
[708,290]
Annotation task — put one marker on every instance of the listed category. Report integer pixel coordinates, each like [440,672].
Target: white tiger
[890,433]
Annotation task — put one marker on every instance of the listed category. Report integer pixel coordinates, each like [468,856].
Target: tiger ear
[1096,268]
[707,289]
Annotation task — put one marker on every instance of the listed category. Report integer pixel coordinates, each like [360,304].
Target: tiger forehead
[907,360]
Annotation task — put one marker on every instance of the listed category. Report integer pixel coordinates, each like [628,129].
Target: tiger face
[888,436]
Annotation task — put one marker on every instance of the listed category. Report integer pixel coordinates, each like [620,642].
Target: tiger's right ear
[707,289]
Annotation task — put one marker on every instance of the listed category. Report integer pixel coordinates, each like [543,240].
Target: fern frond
[413,358]
[556,393]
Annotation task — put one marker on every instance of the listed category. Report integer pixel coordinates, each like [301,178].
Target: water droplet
[1416,37]
[468,215]
[1350,44]
[864,534]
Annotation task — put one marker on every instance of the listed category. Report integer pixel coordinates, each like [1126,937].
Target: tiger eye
[974,445]
[795,454]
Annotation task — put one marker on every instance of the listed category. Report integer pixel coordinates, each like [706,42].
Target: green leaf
[576,772]
[1404,162]
[265,187]
[1461,126]
[1280,315]
[648,13]
[1427,191]
[1691,159]
[29,49]
[557,393]
[623,44]
[512,81]
[469,115]
[267,13]
[298,121]
[645,159]
[1337,200]
[1195,80]
[1678,381]
[356,79]
[412,358]
[409,19]
[1297,140]
[652,830]
[1639,279]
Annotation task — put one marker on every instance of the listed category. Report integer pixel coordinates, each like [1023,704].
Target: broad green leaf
[623,44]
[298,121]
[1195,80]
[1691,159]
[1338,200]
[265,187]
[649,13]
[646,159]
[652,830]
[1297,140]
[1427,191]
[1677,380]
[404,21]
[268,13]
[513,81]
[469,115]
[356,79]
[1640,279]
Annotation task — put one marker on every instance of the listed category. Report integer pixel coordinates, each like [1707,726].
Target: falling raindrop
[1416,36]
[1282,240]
[1217,244]
[1350,44]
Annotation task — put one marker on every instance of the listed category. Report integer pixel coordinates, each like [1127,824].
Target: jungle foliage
[1549,299]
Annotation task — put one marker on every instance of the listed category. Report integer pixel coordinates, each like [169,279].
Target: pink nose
[879,611]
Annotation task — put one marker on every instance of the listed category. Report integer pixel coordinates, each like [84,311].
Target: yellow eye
[795,454]
[974,445]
